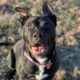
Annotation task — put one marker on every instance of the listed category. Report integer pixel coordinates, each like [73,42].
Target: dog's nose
[37,35]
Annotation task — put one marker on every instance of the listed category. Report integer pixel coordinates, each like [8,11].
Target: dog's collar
[48,63]
[30,59]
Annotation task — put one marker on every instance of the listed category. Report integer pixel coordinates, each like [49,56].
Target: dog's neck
[40,60]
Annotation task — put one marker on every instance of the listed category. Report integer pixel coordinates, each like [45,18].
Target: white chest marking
[41,69]
[41,60]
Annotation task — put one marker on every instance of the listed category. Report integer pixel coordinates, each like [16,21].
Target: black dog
[35,55]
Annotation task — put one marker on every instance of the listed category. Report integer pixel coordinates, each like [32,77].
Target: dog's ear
[48,11]
[23,14]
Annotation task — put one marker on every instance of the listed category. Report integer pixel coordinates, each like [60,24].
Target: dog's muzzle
[38,49]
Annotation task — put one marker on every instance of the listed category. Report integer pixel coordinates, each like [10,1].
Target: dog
[35,55]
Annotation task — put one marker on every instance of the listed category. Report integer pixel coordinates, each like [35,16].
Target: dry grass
[9,21]
[67,34]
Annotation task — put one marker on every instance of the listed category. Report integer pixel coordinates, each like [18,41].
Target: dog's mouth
[38,49]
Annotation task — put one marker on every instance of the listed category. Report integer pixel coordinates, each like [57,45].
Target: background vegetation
[67,32]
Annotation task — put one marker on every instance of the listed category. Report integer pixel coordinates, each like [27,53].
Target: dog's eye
[30,26]
[45,29]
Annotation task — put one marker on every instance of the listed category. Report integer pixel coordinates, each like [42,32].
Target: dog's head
[39,32]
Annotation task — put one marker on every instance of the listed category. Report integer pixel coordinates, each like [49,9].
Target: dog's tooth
[41,49]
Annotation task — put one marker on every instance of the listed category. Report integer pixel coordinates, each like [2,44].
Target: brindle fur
[44,29]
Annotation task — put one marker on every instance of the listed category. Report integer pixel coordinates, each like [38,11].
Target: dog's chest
[41,68]
[42,64]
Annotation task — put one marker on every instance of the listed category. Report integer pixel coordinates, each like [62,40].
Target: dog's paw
[41,77]
[37,77]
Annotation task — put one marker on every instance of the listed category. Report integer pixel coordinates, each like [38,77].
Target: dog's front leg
[21,77]
[41,77]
